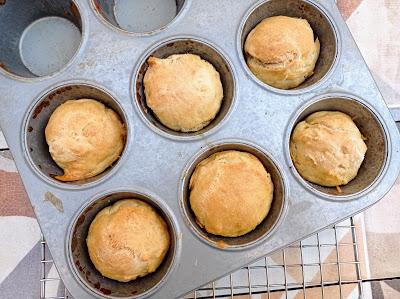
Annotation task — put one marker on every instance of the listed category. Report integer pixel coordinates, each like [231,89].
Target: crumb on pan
[221,244]
[339,190]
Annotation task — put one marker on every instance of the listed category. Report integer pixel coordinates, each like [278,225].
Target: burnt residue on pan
[75,13]
[3,66]
[98,7]
[105,291]
[40,108]
[80,220]
[74,243]
[140,97]
[138,87]
[87,275]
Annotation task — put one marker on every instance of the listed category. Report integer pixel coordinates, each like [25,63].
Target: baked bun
[127,240]
[231,193]
[327,148]
[84,137]
[184,91]
[281,51]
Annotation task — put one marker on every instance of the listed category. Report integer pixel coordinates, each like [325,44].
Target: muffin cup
[266,227]
[34,140]
[322,24]
[182,46]
[83,268]
[16,16]
[370,126]
[115,16]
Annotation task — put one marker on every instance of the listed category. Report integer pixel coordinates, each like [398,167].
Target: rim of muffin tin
[118,29]
[169,133]
[298,117]
[218,242]
[72,61]
[162,209]
[297,90]
[108,172]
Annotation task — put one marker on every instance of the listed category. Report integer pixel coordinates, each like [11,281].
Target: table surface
[375,26]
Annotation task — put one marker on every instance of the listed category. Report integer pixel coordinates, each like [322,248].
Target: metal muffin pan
[35,144]
[193,46]
[372,130]
[324,29]
[156,163]
[108,13]
[18,16]
[267,226]
[87,273]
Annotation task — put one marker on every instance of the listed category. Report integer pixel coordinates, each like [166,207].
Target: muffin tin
[156,163]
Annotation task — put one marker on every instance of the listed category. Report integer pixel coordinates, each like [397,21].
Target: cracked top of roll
[282,52]
[85,138]
[327,148]
[184,91]
[127,240]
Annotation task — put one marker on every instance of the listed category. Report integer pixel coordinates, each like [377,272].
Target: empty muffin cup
[323,27]
[266,227]
[140,16]
[83,268]
[186,46]
[39,39]
[36,147]
[370,126]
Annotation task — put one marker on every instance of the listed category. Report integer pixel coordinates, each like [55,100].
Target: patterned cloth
[375,25]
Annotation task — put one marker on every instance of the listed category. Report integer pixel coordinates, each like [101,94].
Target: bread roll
[127,240]
[84,137]
[327,148]
[184,91]
[281,51]
[231,193]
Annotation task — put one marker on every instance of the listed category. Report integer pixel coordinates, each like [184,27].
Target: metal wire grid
[282,262]
[46,262]
[273,275]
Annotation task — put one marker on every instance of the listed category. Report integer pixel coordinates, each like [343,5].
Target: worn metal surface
[154,161]
[42,45]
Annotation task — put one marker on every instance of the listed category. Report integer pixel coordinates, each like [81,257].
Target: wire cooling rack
[327,261]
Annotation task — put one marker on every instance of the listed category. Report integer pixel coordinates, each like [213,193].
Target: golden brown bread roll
[184,91]
[84,137]
[127,240]
[231,193]
[281,51]
[327,148]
